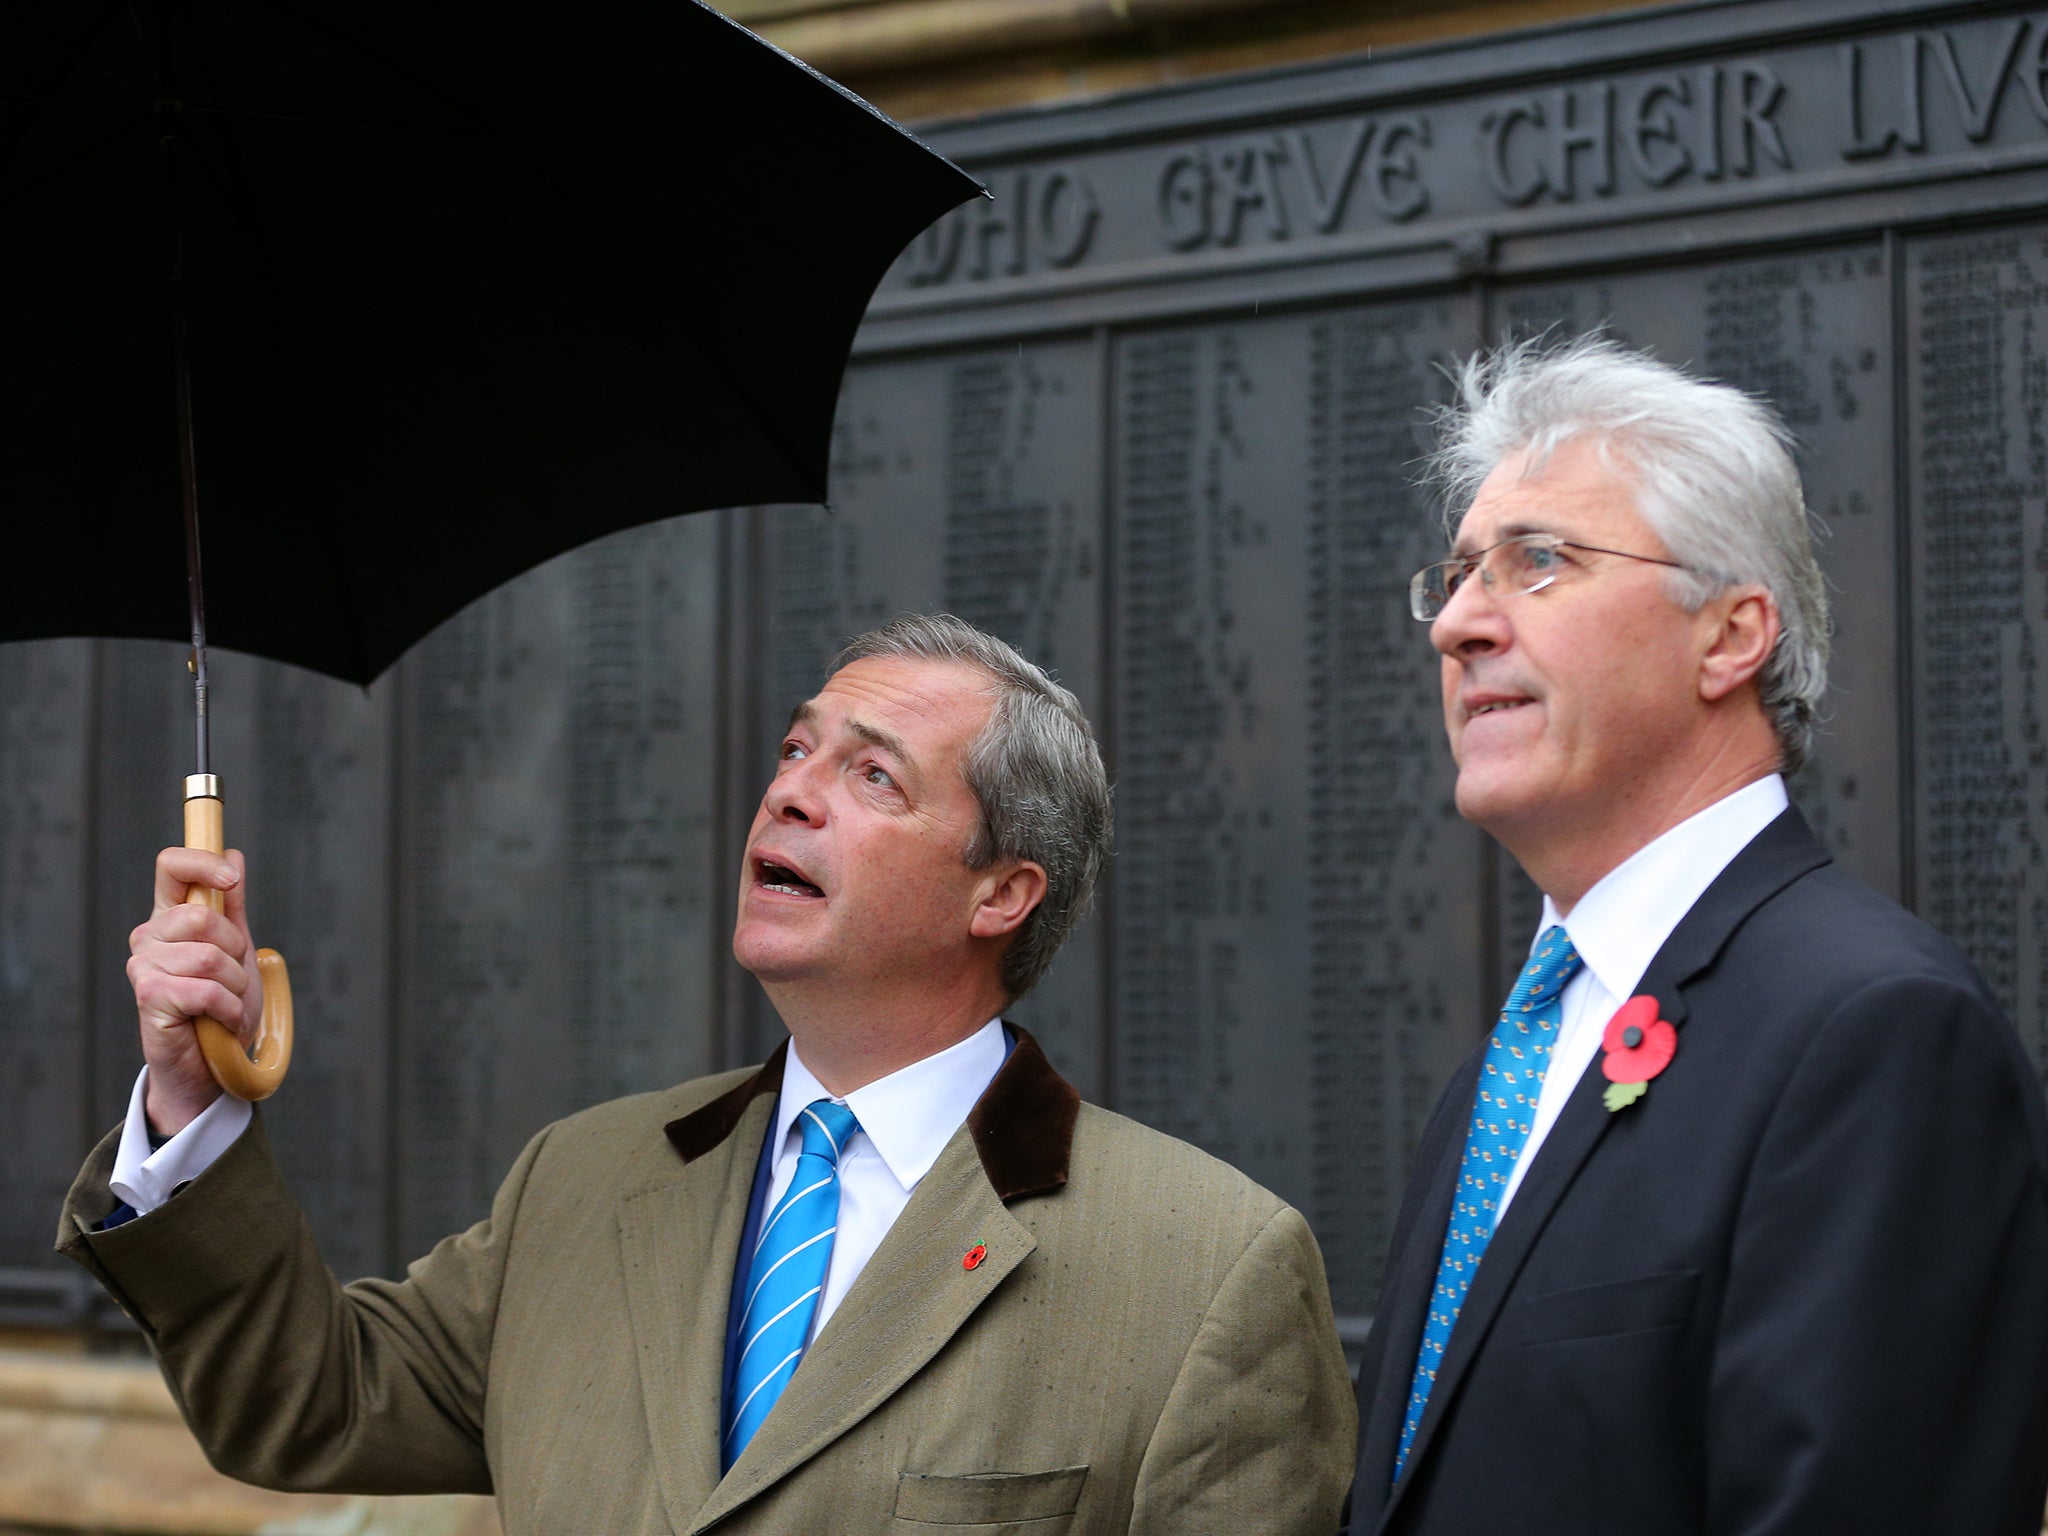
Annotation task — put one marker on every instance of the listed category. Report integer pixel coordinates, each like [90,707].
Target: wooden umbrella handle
[244,1077]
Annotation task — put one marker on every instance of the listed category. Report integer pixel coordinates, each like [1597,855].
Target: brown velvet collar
[1023,1124]
[707,1125]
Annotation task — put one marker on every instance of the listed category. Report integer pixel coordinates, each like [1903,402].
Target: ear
[1012,894]
[1744,632]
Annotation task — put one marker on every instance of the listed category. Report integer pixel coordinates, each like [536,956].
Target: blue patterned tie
[1509,1086]
[788,1275]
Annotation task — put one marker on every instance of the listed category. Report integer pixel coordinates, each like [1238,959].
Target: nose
[795,793]
[1473,623]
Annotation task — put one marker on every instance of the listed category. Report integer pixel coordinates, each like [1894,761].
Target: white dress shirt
[1618,927]
[146,1179]
[906,1119]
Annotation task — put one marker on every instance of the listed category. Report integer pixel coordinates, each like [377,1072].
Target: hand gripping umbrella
[431,290]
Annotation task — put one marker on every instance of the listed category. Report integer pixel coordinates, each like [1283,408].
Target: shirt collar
[1620,924]
[910,1115]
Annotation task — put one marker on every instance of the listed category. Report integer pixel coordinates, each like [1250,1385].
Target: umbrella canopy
[468,284]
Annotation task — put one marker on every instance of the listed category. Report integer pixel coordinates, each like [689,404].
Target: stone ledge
[931,59]
[98,1445]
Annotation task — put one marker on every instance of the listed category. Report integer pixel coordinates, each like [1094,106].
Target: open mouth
[771,876]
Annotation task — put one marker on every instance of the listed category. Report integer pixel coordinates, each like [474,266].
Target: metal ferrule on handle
[244,1076]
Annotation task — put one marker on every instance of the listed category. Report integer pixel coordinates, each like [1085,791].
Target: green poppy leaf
[1621,1095]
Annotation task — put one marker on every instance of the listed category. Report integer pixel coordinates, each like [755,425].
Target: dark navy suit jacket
[1800,1288]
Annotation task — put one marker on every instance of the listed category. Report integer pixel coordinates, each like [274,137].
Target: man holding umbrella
[897,1278]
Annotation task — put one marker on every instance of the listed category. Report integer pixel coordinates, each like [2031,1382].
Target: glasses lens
[1426,594]
[1529,561]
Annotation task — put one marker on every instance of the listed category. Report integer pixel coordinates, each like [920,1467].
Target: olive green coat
[1147,1346]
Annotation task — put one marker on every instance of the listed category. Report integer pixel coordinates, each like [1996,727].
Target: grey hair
[1715,480]
[1035,772]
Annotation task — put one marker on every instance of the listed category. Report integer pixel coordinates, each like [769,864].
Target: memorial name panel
[47,966]
[642,826]
[306,778]
[1396,997]
[1810,334]
[1976,360]
[555,767]
[1287,852]
[971,483]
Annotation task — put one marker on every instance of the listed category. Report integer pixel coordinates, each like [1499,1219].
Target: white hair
[1714,478]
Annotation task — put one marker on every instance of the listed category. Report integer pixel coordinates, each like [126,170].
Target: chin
[1494,797]
[769,956]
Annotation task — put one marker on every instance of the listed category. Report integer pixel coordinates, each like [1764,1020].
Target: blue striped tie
[788,1275]
[1516,1057]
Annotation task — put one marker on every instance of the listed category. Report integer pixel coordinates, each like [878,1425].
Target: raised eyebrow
[873,735]
[888,741]
[1463,551]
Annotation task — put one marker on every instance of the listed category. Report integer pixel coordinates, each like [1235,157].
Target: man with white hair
[1738,1219]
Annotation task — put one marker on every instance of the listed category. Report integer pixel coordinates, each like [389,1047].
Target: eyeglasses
[1527,562]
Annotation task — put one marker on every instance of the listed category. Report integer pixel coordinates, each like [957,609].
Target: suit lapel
[678,1240]
[909,1301]
[1778,855]
[916,1292]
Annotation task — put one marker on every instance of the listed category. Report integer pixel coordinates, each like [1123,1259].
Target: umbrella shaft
[188,464]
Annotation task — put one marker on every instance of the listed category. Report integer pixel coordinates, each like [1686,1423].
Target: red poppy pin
[972,1258]
[1639,1045]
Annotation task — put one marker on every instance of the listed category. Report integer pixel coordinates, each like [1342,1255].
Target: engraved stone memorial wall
[1153,413]
[1976,365]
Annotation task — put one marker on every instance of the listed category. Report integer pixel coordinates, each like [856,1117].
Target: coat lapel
[1778,855]
[678,1238]
[916,1293]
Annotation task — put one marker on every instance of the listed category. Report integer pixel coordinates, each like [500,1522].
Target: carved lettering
[1396,178]
[1246,179]
[1187,195]
[1326,199]
[1914,135]
[1978,112]
[1654,142]
[1067,215]
[1759,96]
[935,253]
[1594,135]
[1516,187]
[1707,149]
[2035,76]
[1865,142]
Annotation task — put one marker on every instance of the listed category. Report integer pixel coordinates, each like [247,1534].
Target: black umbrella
[445,288]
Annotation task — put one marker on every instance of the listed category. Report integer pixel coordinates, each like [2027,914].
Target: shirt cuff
[145,1179]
